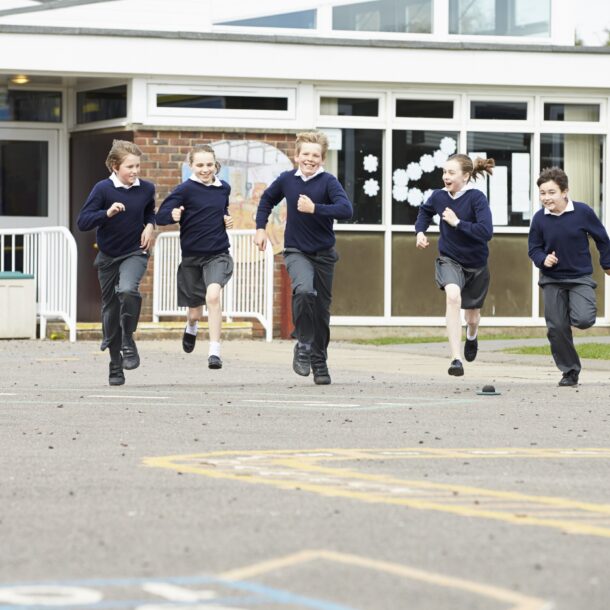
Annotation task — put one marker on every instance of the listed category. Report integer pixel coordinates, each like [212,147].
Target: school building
[398,85]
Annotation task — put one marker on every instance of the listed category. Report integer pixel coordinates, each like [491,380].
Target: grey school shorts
[196,273]
[473,283]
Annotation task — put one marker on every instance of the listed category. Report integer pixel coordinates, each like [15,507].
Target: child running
[122,209]
[314,200]
[461,268]
[559,247]
[201,206]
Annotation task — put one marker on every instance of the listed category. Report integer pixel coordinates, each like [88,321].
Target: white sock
[214,348]
[468,334]
[191,329]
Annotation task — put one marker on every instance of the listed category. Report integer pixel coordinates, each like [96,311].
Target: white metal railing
[249,293]
[50,255]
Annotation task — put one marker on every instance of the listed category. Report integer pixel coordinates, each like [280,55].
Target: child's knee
[212,296]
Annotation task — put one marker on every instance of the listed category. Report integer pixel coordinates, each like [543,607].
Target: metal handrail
[50,255]
[249,293]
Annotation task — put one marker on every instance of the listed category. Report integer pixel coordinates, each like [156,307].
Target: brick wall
[164,151]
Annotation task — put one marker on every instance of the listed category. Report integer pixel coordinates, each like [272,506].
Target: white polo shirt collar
[299,173]
[467,187]
[119,185]
[569,208]
[216,182]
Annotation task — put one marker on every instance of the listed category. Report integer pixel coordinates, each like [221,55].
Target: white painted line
[127,396]
[7,394]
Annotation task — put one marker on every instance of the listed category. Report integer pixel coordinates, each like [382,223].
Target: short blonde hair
[312,137]
[203,148]
[119,151]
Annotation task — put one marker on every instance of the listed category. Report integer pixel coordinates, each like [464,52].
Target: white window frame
[156,88]
[54,216]
[118,122]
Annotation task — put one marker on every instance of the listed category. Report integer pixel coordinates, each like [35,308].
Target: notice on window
[498,195]
[520,184]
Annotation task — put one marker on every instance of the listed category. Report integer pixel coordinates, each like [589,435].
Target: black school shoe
[301,361]
[321,376]
[471,347]
[131,358]
[569,379]
[214,362]
[116,375]
[456,368]
[188,342]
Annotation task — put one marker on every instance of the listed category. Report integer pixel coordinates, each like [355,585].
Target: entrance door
[88,152]
[29,183]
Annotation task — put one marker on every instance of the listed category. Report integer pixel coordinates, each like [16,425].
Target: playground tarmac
[397,487]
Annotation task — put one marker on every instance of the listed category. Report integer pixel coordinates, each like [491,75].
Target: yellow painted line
[291,470]
[518,601]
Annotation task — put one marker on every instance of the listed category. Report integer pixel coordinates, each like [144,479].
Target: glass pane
[500,18]
[571,112]
[24,176]
[360,264]
[413,16]
[21,105]
[101,104]
[349,106]
[429,109]
[302,20]
[417,162]
[582,158]
[502,111]
[359,167]
[225,102]
[508,190]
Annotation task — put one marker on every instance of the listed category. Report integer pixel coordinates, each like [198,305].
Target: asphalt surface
[397,487]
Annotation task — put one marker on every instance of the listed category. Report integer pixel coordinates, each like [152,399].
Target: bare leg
[212,299]
[473,318]
[194,314]
[454,320]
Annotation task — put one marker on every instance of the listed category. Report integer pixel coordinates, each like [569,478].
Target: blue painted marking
[263,593]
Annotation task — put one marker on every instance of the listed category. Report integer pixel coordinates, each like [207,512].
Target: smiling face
[453,177]
[127,172]
[552,197]
[204,166]
[309,158]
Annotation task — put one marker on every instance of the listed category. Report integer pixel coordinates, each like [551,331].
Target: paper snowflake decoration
[426,162]
[400,192]
[440,158]
[448,145]
[400,177]
[370,163]
[427,194]
[414,171]
[371,187]
[415,197]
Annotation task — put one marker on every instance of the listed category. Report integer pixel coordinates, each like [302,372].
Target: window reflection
[505,18]
[581,157]
[413,16]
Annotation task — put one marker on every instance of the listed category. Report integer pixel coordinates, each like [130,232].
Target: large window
[500,17]
[412,16]
[357,161]
[581,157]
[24,173]
[509,188]
[25,105]
[101,104]
[417,161]
[302,20]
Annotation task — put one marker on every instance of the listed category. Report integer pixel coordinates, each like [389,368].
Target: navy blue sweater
[568,236]
[466,243]
[202,226]
[120,234]
[308,233]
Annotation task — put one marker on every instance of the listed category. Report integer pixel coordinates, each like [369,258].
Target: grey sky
[592,16]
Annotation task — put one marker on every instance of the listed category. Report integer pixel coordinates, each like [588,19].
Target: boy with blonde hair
[314,200]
